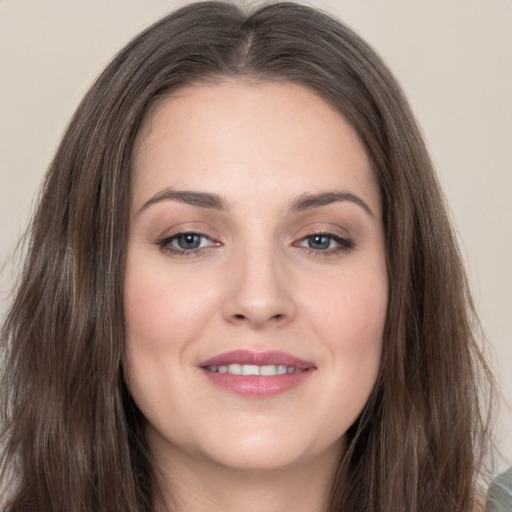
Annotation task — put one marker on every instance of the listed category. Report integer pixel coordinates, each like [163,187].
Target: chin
[262,451]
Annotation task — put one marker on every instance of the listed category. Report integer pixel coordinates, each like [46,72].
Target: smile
[252,369]
[256,374]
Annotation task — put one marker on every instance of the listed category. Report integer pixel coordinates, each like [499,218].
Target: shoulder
[500,493]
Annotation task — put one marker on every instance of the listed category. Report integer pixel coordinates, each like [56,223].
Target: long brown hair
[72,436]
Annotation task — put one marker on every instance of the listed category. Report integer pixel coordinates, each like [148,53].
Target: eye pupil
[189,241]
[319,242]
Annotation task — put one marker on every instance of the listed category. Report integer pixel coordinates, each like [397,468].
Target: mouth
[256,374]
[252,369]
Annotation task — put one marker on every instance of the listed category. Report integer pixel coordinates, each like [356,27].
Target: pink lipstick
[257,374]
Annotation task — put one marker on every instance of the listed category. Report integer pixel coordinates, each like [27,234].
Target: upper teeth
[252,369]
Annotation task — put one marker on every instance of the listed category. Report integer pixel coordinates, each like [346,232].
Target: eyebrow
[214,201]
[310,201]
[201,199]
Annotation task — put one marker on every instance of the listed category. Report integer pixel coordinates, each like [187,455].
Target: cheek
[160,316]
[350,310]
[349,321]
[160,303]
[351,325]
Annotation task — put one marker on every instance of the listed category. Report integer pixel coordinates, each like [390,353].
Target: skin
[257,281]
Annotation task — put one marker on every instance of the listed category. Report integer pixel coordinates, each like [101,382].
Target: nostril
[239,317]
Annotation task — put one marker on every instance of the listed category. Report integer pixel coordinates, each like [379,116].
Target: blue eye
[185,243]
[326,243]
[319,242]
[188,241]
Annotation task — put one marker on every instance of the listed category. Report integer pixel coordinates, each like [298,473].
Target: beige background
[453,57]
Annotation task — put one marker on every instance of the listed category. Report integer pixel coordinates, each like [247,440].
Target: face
[256,285]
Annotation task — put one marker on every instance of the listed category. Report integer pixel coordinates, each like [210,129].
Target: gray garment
[500,493]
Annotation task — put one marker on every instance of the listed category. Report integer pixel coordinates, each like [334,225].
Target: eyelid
[343,242]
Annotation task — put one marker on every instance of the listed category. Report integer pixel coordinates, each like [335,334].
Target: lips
[256,374]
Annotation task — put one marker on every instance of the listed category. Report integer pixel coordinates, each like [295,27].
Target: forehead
[269,135]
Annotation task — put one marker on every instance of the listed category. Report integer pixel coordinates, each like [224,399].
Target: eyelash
[344,245]
[165,244]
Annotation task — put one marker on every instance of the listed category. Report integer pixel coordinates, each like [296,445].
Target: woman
[242,291]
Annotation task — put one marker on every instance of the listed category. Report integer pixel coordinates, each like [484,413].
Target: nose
[259,292]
